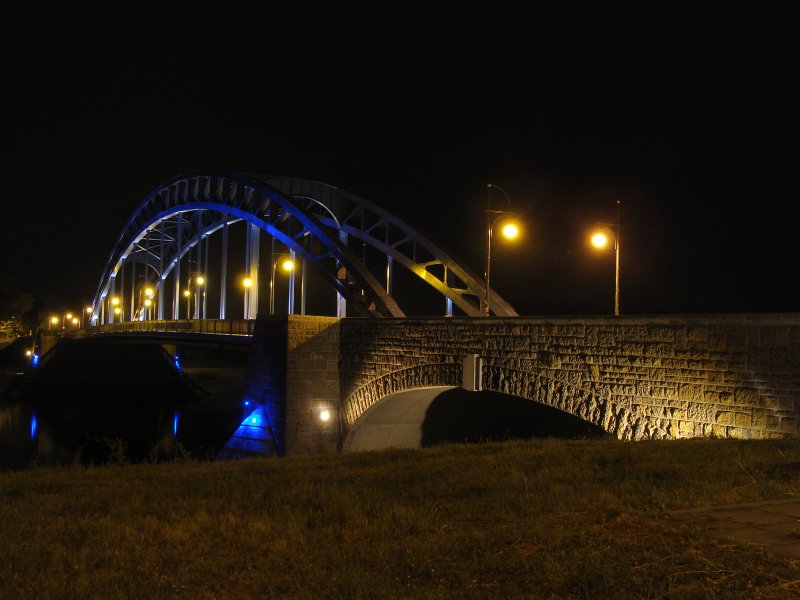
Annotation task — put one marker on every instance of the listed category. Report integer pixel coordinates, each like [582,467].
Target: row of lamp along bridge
[600,239]
[196,280]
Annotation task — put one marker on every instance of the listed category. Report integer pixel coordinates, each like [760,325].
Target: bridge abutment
[293,377]
[655,377]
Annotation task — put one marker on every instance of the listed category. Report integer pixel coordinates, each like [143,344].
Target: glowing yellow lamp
[599,240]
[510,231]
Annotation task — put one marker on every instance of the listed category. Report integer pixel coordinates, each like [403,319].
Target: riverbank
[515,519]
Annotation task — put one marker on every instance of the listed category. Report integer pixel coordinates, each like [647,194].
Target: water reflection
[93,402]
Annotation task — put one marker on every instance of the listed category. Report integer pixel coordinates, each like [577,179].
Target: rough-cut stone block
[745,395]
[673,369]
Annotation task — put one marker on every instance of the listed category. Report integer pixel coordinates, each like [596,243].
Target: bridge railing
[206,326]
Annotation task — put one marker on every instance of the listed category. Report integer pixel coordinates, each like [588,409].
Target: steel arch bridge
[165,247]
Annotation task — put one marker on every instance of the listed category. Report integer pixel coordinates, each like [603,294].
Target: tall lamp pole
[616,269]
[600,239]
[288,265]
[510,231]
[199,281]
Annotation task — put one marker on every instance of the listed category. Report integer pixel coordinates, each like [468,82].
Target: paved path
[773,524]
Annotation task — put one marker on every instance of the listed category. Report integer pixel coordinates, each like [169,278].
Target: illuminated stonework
[735,376]
[638,378]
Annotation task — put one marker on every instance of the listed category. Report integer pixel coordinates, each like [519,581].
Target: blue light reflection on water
[98,394]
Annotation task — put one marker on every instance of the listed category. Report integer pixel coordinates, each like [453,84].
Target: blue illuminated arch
[313,219]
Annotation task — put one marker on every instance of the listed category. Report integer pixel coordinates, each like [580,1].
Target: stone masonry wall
[637,377]
[312,384]
[264,392]
[292,375]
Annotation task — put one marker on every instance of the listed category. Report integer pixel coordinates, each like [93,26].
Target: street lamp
[199,281]
[86,311]
[115,308]
[247,283]
[600,240]
[287,265]
[149,294]
[145,301]
[510,231]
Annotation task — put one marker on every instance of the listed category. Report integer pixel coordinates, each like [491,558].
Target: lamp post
[287,265]
[600,240]
[85,311]
[149,295]
[247,283]
[199,281]
[145,300]
[115,308]
[510,231]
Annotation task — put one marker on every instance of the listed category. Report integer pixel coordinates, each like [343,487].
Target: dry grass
[547,519]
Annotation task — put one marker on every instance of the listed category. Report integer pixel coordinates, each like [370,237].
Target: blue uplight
[254,436]
[175,418]
[254,419]
[246,402]
[34,426]
[177,361]
[35,360]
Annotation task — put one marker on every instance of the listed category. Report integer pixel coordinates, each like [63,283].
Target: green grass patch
[539,519]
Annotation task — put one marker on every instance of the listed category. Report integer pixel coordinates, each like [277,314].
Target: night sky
[687,118]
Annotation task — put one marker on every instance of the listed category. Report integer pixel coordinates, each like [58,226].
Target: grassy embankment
[518,519]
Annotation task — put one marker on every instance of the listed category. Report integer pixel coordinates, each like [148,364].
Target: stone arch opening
[458,416]
[430,416]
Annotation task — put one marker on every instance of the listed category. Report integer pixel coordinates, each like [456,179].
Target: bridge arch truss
[166,243]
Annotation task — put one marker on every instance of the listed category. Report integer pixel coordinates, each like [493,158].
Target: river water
[95,402]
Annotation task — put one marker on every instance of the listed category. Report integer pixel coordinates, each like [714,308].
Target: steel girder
[305,216]
[385,232]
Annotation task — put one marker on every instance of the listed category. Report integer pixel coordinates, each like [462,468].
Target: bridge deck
[226,327]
